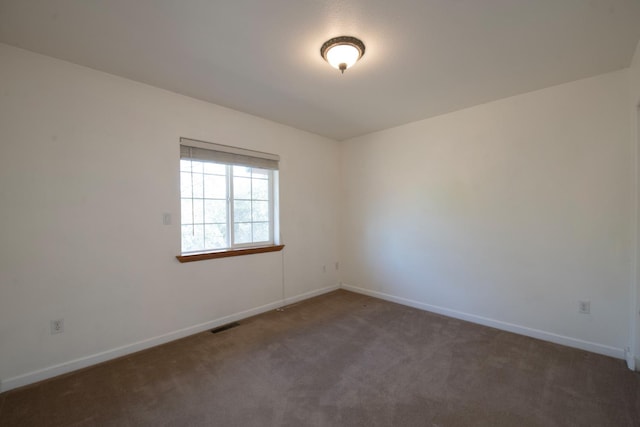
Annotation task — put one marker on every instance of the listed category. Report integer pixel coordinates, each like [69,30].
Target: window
[228,197]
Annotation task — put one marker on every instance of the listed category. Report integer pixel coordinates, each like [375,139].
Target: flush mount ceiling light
[342,52]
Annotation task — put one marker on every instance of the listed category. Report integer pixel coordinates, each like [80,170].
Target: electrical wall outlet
[584,307]
[57,326]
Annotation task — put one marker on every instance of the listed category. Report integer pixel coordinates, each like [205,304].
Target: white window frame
[229,157]
[231,214]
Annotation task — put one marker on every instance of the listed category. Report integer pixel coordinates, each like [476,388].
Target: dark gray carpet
[341,359]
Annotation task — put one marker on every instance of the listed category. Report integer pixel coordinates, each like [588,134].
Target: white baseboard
[505,326]
[83,362]
[630,359]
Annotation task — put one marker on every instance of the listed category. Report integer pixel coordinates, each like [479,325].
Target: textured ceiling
[423,58]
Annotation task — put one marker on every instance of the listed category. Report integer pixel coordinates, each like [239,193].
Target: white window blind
[209,152]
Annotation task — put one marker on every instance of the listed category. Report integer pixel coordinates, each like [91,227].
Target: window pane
[260,189]
[241,188]
[241,211]
[260,211]
[241,171]
[260,173]
[215,187]
[198,211]
[192,238]
[185,165]
[242,233]
[198,184]
[215,168]
[196,166]
[185,184]
[215,236]
[215,211]
[260,231]
[186,213]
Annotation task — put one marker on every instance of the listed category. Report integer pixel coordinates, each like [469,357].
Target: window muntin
[225,206]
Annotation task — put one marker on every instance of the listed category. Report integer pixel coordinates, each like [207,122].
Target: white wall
[507,213]
[634,110]
[88,166]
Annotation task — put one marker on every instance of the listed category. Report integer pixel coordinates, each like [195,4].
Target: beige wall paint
[88,166]
[507,213]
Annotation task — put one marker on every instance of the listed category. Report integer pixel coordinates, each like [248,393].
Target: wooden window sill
[229,253]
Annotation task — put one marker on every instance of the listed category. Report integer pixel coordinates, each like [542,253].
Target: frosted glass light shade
[342,52]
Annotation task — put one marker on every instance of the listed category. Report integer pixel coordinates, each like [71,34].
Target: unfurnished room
[319,213]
